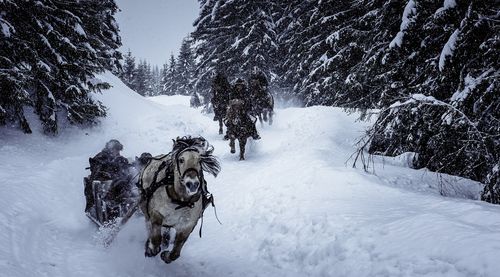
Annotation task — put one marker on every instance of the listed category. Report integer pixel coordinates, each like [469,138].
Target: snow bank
[172,100]
[293,208]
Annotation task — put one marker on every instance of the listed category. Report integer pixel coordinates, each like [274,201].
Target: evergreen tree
[49,55]
[141,78]
[439,92]
[234,37]
[148,80]
[156,74]
[128,70]
[184,68]
[430,67]
[169,83]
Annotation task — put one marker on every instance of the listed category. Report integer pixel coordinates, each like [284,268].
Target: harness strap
[168,183]
[181,204]
[148,192]
[208,199]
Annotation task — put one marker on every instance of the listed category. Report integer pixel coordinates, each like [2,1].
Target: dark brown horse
[239,125]
[263,105]
[265,108]
[220,99]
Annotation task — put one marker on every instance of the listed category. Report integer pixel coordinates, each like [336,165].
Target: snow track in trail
[293,208]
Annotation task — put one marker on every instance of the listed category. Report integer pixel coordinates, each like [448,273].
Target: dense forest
[175,77]
[50,52]
[427,70]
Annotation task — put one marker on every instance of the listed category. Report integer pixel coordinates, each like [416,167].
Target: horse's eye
[181,160]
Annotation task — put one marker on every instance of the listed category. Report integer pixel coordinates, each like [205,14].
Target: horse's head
[192,156]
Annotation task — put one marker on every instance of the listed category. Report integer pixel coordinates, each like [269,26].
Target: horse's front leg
[243,142]
[270,117]
[220,127]
[231,144]
[260,119]
[153,243]
[180,239]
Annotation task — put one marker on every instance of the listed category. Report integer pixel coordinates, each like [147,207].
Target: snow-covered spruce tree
[365,72]
[233,37]
[445,75]
[312,57]
[149,81]
[156,74]
[169,79]
[49,55]
[332,47]
[289,17]
[184,68]
[128,70]
[141,78]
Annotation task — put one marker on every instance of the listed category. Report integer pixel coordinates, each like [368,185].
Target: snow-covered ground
[293,208]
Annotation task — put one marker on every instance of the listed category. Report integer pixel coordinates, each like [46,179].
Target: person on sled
[240,91]
[106,165]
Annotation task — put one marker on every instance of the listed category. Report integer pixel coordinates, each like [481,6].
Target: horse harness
[168,183]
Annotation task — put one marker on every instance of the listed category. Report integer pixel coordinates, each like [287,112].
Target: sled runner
[105,210]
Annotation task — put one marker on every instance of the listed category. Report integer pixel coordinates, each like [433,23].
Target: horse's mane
[209,162]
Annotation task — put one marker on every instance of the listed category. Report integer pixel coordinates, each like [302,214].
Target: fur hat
[114,145]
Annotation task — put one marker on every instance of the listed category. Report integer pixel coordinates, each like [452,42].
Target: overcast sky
[153,29]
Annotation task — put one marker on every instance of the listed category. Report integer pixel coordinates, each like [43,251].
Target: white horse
[174,193]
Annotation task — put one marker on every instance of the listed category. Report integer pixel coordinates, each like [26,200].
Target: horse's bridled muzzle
[193,186]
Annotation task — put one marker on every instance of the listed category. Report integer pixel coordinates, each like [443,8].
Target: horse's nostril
[192,186]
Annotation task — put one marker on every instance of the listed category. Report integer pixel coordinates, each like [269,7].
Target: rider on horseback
[259,91]
[240,92]
[258,86]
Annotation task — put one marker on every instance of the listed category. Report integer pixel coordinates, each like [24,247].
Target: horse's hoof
[151,250]
[164,256]
[242,158]
[168,257]
[233,151]
[221,132]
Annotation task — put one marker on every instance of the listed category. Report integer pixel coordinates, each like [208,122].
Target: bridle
[199,174]
[169,183]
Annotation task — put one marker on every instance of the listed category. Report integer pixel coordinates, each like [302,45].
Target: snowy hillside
[293,208]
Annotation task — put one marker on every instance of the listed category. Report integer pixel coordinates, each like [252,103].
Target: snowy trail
[293,208]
